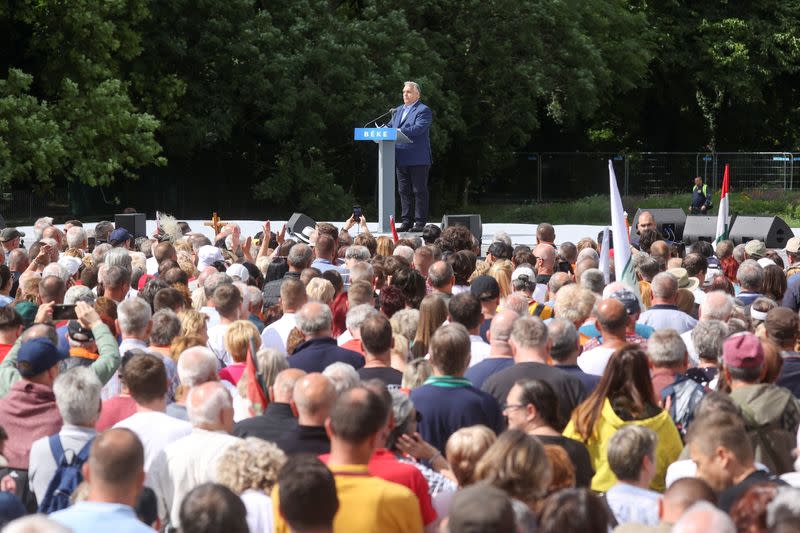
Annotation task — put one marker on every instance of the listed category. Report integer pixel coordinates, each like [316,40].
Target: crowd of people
[338,381]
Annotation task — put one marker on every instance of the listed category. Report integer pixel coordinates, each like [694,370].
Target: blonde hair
[184,342]
[574,303]
[385,246]
[74,252]
[186,263]
[193,322]
[501,271]
[250,463]
[320,289]
[685,301]
[416,373]
[400,352]
[481,269]
[238,337]
[465,448]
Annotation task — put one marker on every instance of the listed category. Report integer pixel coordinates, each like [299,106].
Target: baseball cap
[743,350]
[793,245]
[10,233]
[523,271]
[70,264]
[208,255]
[755,249]
[239,271]
[38,355]
[118,236]
[628,299]
[485,288]
[79,333]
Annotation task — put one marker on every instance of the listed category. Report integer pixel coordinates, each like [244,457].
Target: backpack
[67,477]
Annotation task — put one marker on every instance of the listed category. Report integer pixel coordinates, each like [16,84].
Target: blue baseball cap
[38,355]
[118,236]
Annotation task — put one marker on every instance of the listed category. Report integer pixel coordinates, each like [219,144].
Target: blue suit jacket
[416,127]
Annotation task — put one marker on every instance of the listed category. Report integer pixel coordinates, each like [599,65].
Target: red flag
[394,229]
[255,385]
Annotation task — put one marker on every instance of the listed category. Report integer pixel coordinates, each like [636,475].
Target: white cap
[238,270]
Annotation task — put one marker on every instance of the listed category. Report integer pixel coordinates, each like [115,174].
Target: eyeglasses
[508,406]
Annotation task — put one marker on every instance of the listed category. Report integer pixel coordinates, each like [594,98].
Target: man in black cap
[10,240]
[487,290]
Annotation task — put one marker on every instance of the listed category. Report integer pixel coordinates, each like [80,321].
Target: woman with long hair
[624,396]
[501,271]
[432,314]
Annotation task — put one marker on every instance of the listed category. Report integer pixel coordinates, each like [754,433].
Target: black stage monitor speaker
[773,231]
[472,222]
[669,222]
[297,226]
[135,223]
[702,228]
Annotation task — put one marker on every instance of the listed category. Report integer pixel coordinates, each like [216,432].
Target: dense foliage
[240,104]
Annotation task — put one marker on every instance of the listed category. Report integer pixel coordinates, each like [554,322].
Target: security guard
[701,199]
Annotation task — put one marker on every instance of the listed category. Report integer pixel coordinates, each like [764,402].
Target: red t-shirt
[4,349]
[355,345]
[385,465]
[232,373]
[115,410]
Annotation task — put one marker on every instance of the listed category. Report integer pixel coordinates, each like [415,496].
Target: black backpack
[67,477]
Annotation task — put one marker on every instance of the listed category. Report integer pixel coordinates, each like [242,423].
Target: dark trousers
[412,184]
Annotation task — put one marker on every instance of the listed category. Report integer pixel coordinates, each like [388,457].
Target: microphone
[391,110]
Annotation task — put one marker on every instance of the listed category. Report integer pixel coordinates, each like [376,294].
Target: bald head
[441,275]
[209,406]
[645,221]
[584,265]
[500,331]
[611,317]
[313,397]
[116,464]
[545,259]
[682,494]
[283,388]
[717,305]
[660,249]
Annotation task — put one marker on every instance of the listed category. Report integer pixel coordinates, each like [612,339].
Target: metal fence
[565,175]
[28,203]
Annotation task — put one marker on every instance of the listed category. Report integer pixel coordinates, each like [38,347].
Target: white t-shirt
[155,430]
[479,349]
[216,343]
[259,510]
[595,360]
[276,334]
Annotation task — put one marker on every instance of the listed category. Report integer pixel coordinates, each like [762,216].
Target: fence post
[538,177]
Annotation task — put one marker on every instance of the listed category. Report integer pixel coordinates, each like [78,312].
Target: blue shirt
[323,265]
[479,373]
[90,517]
[590,330]
[632,504]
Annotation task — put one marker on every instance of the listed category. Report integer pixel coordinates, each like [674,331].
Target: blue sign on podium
[375,134]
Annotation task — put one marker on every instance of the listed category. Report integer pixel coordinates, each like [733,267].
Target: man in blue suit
[413,160]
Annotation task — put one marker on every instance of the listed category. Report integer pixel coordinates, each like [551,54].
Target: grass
[596,209]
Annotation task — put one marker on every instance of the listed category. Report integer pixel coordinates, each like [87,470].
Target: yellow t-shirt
[366,504]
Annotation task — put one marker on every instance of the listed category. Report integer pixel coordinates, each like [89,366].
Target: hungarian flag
[722,216]
[623,266]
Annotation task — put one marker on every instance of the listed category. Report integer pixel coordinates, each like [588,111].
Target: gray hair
[79,293]
[213,281]
[299,256]
[251,295]
[166,326]
[54,269]
[627,449]
[592,279]
[405,322]
[440,273]
[502,236]
[209,411]
[414,84]
[314,318]
[739,253]
[750,275]
[133,315]
[666,348]
[99,252]
[588,253]
[343,376]
[646,266]
[664,286]
[565,338]
[703,516]
[406,252]
[77,394]
[717,305]
[784,508]
[529,332]
[196,365]
[358,314]
[76,237]
[357,252]
[40,225]
[362,271]
[708,337]
[118,257]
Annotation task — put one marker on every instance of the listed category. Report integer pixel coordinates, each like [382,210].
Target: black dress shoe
[418,227]
[405,226]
